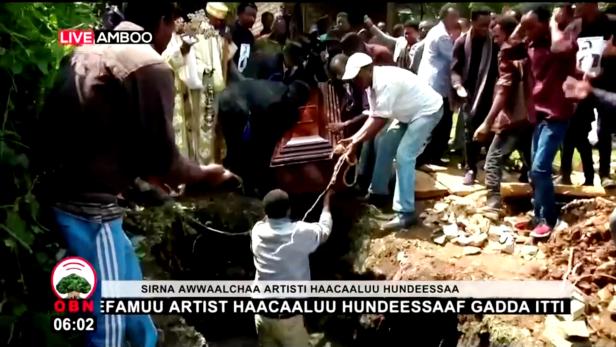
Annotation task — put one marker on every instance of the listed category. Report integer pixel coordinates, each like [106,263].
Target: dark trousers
[502,146]
[472,149]
[439,142]
[605,130]
[577,138]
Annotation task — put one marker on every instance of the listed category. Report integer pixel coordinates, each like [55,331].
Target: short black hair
[412,24]
[112,17]
[276,204]
[480,11]
[541,10]
[445,9]
[148,15]
[507,24]
[398,27]
[295,51]
[517,13]
[351,43]
[266,14]
[244,5]
[343,15]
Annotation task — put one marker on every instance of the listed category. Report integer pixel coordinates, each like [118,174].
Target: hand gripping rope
[344,158]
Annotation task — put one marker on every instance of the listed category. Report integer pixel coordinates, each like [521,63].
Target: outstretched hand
[217,177]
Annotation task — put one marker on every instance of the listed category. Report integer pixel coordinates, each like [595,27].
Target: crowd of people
[160,113]
[512,80]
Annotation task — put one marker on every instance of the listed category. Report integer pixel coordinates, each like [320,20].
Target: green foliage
[73,283]
[29,60]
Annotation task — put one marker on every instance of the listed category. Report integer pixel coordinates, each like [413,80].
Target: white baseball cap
[354,64]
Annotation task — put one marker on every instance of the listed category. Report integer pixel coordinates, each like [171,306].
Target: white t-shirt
[400,94]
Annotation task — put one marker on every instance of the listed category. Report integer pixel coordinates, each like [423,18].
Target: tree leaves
[16,228]
[29,58]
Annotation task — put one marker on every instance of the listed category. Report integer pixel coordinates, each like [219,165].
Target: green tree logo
[73,285]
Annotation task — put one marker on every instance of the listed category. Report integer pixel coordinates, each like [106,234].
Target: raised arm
[382,38]
[312,235]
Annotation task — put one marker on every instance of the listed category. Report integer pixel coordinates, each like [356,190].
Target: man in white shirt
[399,94]
[435,69]
[281,248]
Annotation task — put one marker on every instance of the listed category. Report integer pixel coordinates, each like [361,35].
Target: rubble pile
[466,222]
[583,252]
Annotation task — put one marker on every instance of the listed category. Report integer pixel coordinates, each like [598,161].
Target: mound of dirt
[583,252]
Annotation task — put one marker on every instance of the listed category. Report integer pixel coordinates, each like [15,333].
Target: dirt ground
[412,255]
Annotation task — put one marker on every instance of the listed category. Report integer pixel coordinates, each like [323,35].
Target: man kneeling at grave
[281,248]
[396,93]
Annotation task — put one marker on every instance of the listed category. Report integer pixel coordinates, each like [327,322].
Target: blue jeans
[108,249]
[414,140]
[386,144]
[547,138]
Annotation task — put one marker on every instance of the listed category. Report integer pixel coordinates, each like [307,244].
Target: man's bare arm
[369,130]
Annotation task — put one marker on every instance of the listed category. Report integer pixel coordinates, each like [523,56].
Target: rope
[218,231]
[343,158]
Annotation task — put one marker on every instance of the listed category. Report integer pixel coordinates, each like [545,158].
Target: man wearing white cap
[399,94]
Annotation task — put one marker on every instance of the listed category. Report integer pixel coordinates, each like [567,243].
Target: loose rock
[471,250]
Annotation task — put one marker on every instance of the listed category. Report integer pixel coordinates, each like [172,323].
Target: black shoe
[401,221]
[589,183]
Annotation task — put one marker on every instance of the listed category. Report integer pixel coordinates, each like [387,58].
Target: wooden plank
[580,191]
[453,183]
[426,187]
[517,190]
[429,168]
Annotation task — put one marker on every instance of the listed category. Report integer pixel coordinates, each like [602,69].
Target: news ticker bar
[337,289]
[432,305]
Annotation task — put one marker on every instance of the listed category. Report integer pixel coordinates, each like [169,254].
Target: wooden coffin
[302,160]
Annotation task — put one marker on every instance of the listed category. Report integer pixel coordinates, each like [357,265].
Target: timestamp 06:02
[73,324]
